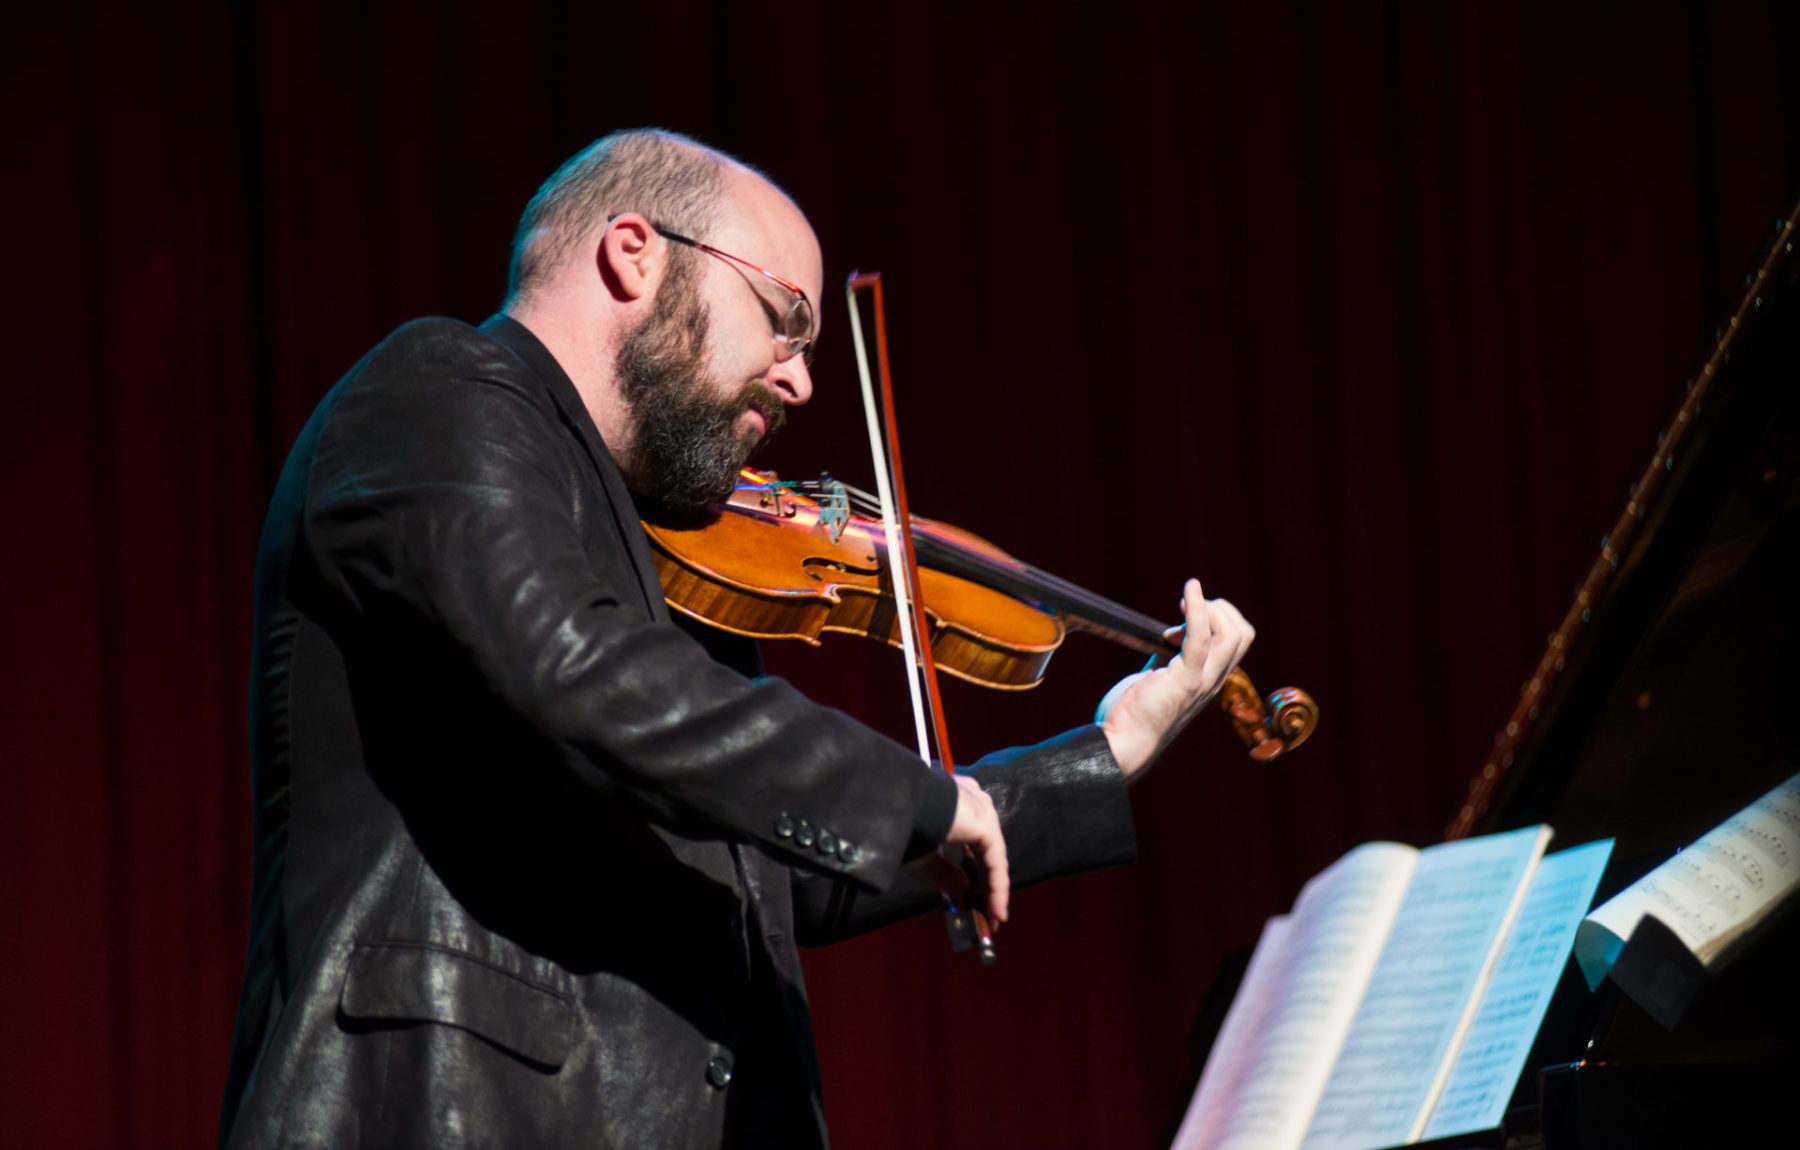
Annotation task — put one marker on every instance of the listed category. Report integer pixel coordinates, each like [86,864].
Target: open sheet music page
[1493,1053]
[1710,893]
[1422,997]
[1257,1001]
[1275,1049]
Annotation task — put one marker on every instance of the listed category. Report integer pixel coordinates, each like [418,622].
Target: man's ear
[629,258]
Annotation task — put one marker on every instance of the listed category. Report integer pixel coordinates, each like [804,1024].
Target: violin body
[776,564]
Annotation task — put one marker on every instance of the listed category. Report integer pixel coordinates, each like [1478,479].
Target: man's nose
[792,380]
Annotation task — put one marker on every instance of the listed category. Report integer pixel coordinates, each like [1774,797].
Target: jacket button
[847,852]
[784,826]
[803,834]
[827,843]
[718,1073]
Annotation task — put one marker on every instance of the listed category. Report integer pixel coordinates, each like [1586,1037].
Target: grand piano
[1661,706]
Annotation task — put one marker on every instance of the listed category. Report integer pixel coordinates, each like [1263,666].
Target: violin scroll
[1270,728]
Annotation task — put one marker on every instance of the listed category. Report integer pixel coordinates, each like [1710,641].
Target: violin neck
[1079,608]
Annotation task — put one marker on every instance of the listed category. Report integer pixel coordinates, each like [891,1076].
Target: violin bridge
[834,507]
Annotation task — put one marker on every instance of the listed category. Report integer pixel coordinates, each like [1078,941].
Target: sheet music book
[1398,999]
[1711,894]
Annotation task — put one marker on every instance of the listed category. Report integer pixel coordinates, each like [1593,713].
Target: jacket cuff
[1063,806]
[937,812]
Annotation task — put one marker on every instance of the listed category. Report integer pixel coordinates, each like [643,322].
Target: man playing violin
[531,863]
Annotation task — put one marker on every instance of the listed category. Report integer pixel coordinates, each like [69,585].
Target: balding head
[671,178]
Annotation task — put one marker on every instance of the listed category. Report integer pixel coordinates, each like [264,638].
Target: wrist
[1132,752]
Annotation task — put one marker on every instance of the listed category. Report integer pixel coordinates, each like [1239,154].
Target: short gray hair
[676,181]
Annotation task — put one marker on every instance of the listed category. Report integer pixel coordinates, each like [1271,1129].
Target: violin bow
[903,566]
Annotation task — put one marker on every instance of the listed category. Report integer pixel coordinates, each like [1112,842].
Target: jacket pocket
[419,982]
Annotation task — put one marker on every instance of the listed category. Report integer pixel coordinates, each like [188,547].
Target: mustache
[762,399]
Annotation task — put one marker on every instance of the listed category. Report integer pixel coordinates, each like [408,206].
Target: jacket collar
[517,338]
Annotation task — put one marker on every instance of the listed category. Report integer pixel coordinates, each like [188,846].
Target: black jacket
[531,864]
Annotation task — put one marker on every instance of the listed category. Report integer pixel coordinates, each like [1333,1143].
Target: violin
[794,560]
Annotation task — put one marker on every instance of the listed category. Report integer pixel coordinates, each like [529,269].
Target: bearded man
[531,863]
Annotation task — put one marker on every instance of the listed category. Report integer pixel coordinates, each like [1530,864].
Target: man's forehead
[763,221]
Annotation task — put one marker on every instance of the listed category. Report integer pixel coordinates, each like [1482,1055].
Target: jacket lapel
[516,338]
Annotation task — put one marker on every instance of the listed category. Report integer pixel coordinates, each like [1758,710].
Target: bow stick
[890,484]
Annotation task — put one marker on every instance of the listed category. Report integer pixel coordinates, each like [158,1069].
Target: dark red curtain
[1365,313]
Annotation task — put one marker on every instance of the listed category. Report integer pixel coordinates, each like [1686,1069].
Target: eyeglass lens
[796,326]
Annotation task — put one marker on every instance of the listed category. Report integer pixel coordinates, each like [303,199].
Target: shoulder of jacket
[436,348]
[442,362]
[434,379]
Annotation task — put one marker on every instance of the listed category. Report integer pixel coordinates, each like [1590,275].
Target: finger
[1232,640]
[989,850]
[1235,630]
[1240,630]
[1222,616]
[966,824]
[1201,627]
[999,880]
[1190,594]
[977,827]
[1221,657]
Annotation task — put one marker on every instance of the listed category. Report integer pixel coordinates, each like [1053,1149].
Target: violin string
[861,500]
[1033,584]
[1052,590]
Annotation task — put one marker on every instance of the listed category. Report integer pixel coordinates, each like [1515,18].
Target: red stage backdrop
[1364,313]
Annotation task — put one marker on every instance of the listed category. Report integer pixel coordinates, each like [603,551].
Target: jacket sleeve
[443,509]
[1063,809]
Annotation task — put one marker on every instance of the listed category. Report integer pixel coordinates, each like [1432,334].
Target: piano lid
[1660,707]
[1661,703]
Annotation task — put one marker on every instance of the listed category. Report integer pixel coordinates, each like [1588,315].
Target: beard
[686,448]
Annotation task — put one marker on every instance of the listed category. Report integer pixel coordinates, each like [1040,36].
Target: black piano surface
[1673,708]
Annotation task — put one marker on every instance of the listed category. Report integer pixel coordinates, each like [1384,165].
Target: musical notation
[1494,1051]
[1404,989]
[1423,996]
[1713,892]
